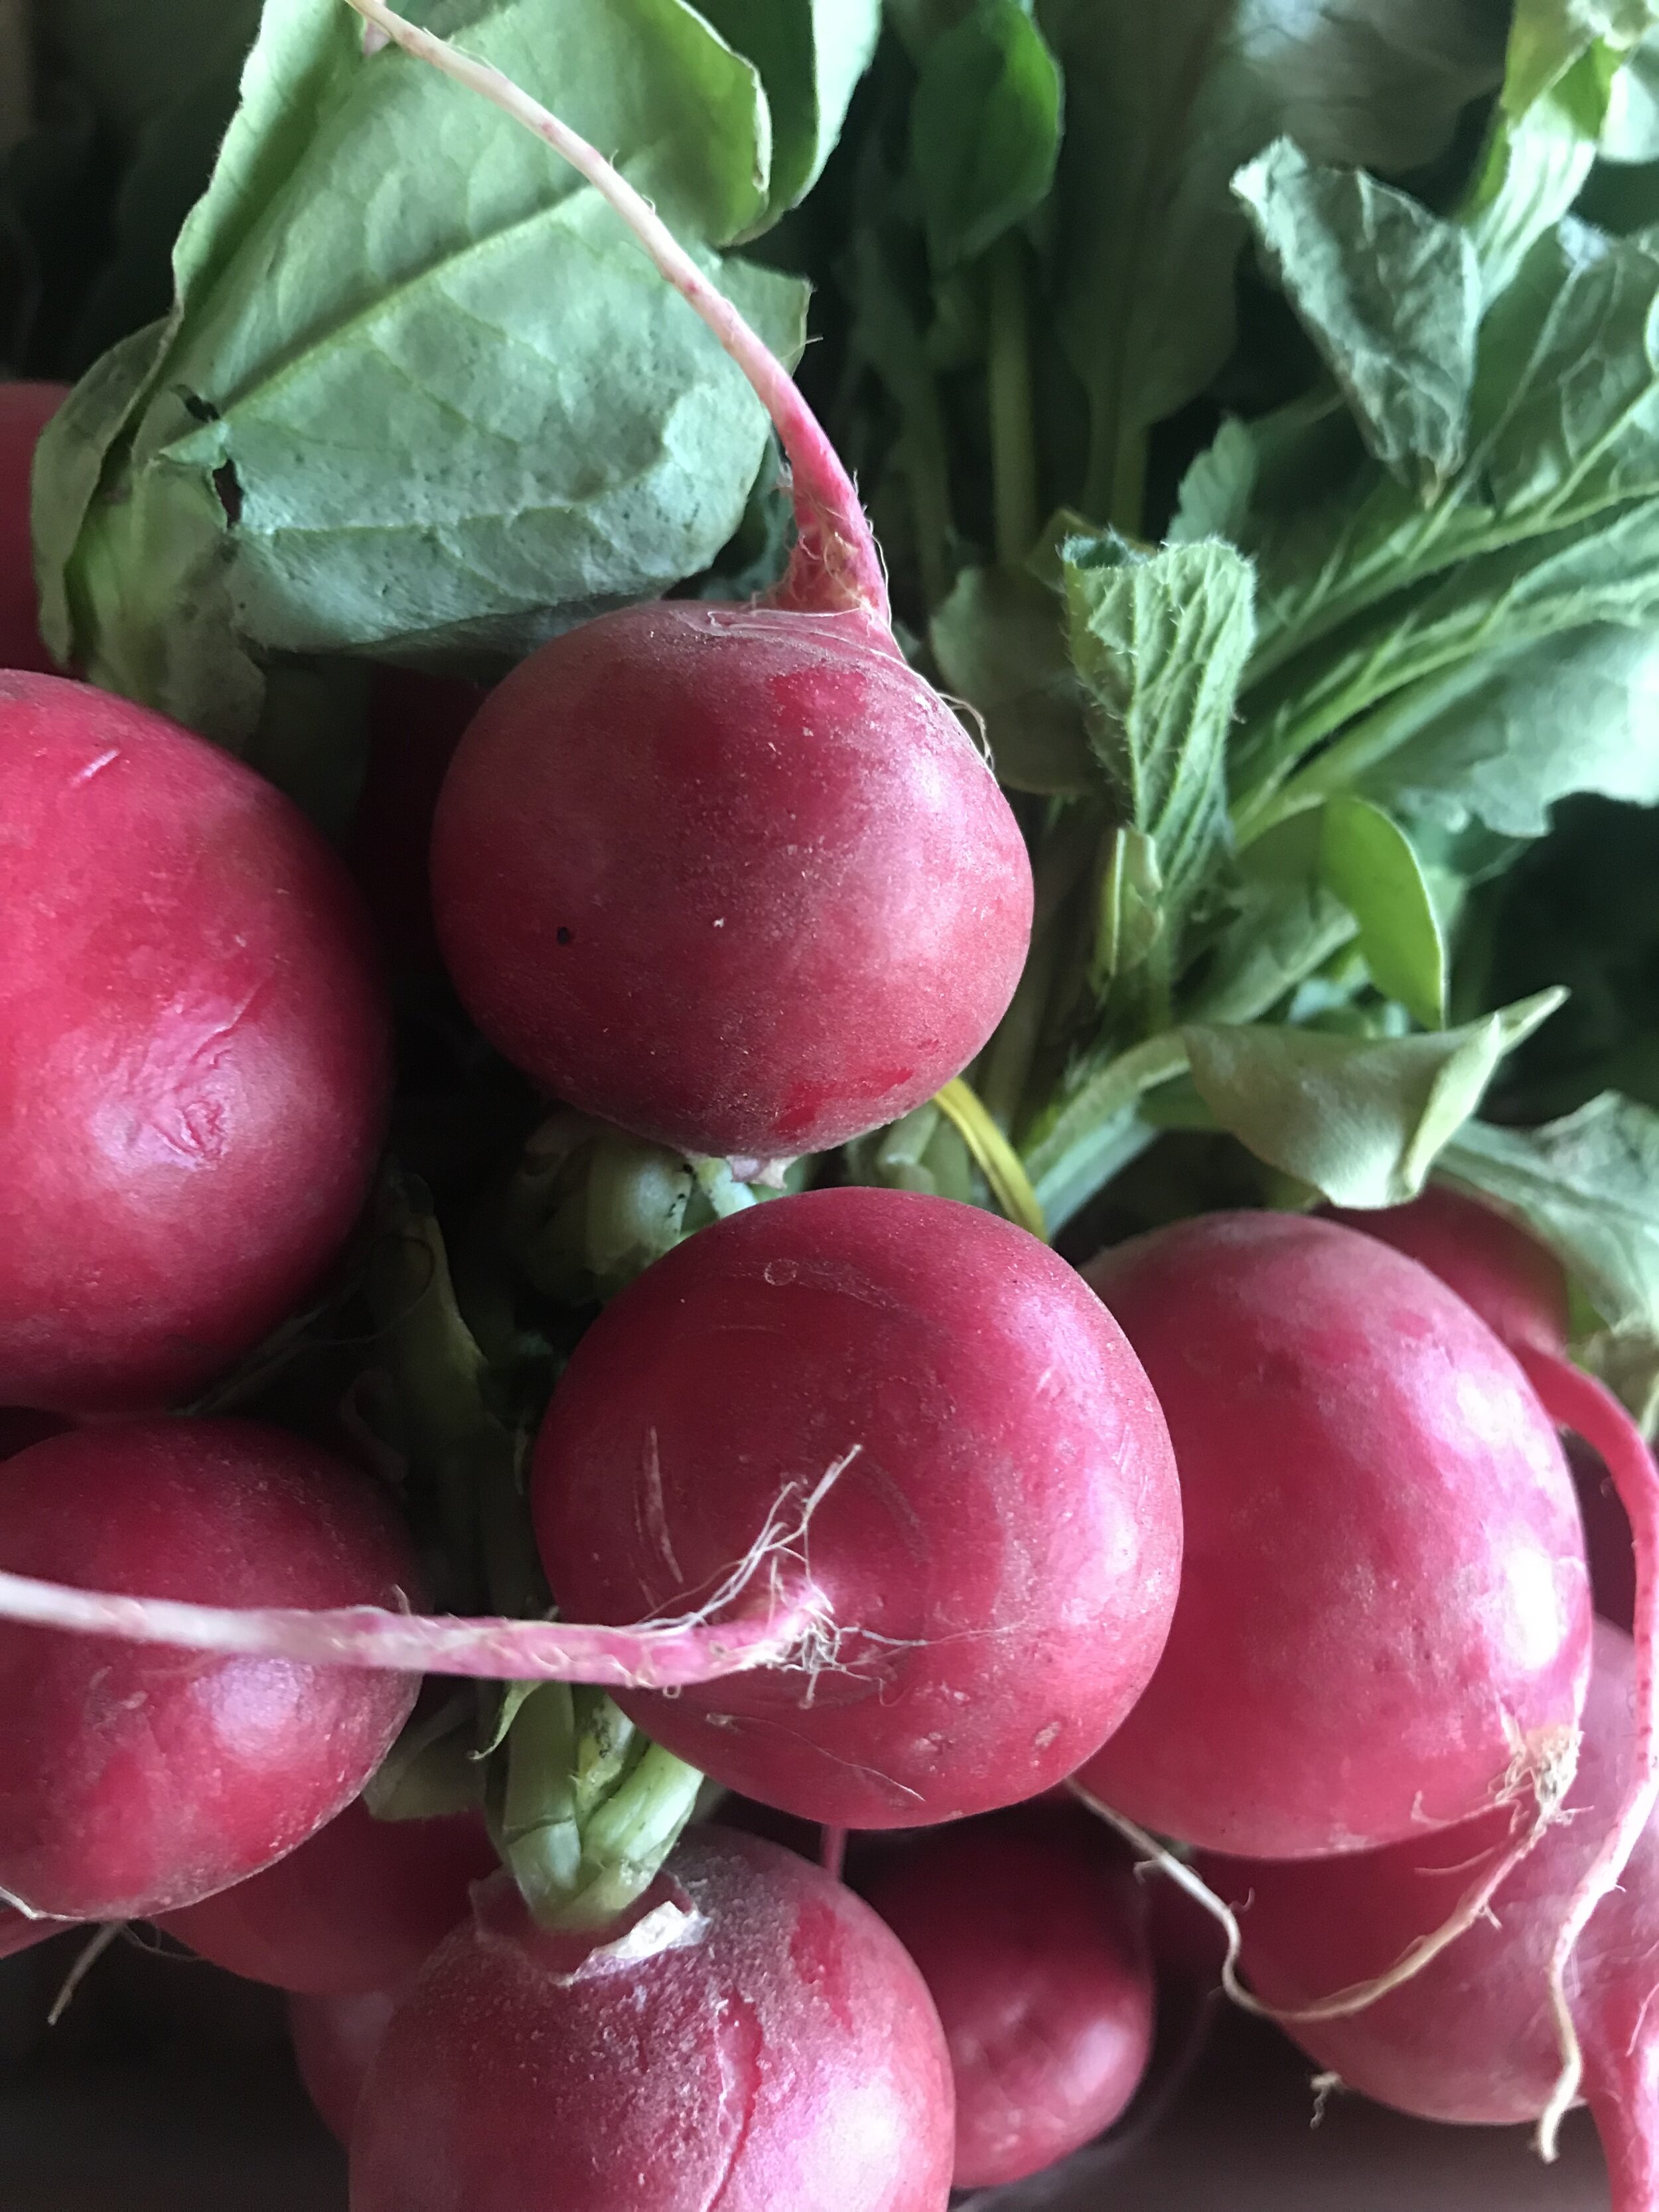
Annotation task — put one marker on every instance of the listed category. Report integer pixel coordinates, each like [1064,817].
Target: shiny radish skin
[999,1550]
[1032,1940]
[359,1907]
[25,411]
[733,879]
[1384,1571]
[1470,2039]
[194,1053]
[782,2055]
[142,1779]
[1517,1287]
[335,2042]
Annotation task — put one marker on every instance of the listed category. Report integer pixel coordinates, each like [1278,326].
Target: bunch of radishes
[863,1503]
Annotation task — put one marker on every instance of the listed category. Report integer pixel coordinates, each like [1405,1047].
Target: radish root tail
[786,1622]
[1548,1768]
[1577,1401]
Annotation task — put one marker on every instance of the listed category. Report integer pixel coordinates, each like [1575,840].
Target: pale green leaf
[1368,861]
[1160,642]
[1360,1120]
[1501,738]
[1390,293]
[419,401]
[1588,1187]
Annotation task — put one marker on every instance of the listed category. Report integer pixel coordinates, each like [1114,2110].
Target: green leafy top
[219,490]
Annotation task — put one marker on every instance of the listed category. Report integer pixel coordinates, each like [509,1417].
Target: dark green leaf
[1164,103]
[1390,293]
[999,648]
[1360,1120]
[984,129]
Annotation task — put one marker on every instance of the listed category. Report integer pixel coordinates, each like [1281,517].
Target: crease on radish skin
[1548,1768]
[836,565]
[792,1628]
[1575,1401]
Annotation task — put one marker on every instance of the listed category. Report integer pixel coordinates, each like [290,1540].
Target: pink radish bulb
[1518,1289]
[1384,1597]
[25,412]
[358,1907]
[1032,1941]
[733,878]
[1470,2037]
[138,1781]
[998,1552]
[751,2036]
[335,2041]
[193,1053]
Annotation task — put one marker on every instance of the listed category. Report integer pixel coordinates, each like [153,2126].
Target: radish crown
[836,565]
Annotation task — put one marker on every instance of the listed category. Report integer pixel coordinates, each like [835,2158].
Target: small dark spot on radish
[567,936]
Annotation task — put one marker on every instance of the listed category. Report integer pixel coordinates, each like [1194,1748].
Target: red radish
[25,412]
[1384,1603]
[1032,1941]
[193,1053]
[140,1781]
[999,1550]
[357,1908]
[882,1454]
[1518,1289]
[751,2036]
[733,878]
[335,2042]
[1470,2037]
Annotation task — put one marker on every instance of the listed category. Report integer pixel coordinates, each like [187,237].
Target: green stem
[591,1809]
[1096,1132]
[1013,451]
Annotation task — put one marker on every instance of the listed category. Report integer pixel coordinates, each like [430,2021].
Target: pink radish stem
[836,564]
[654,1656]
[1577,1401]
